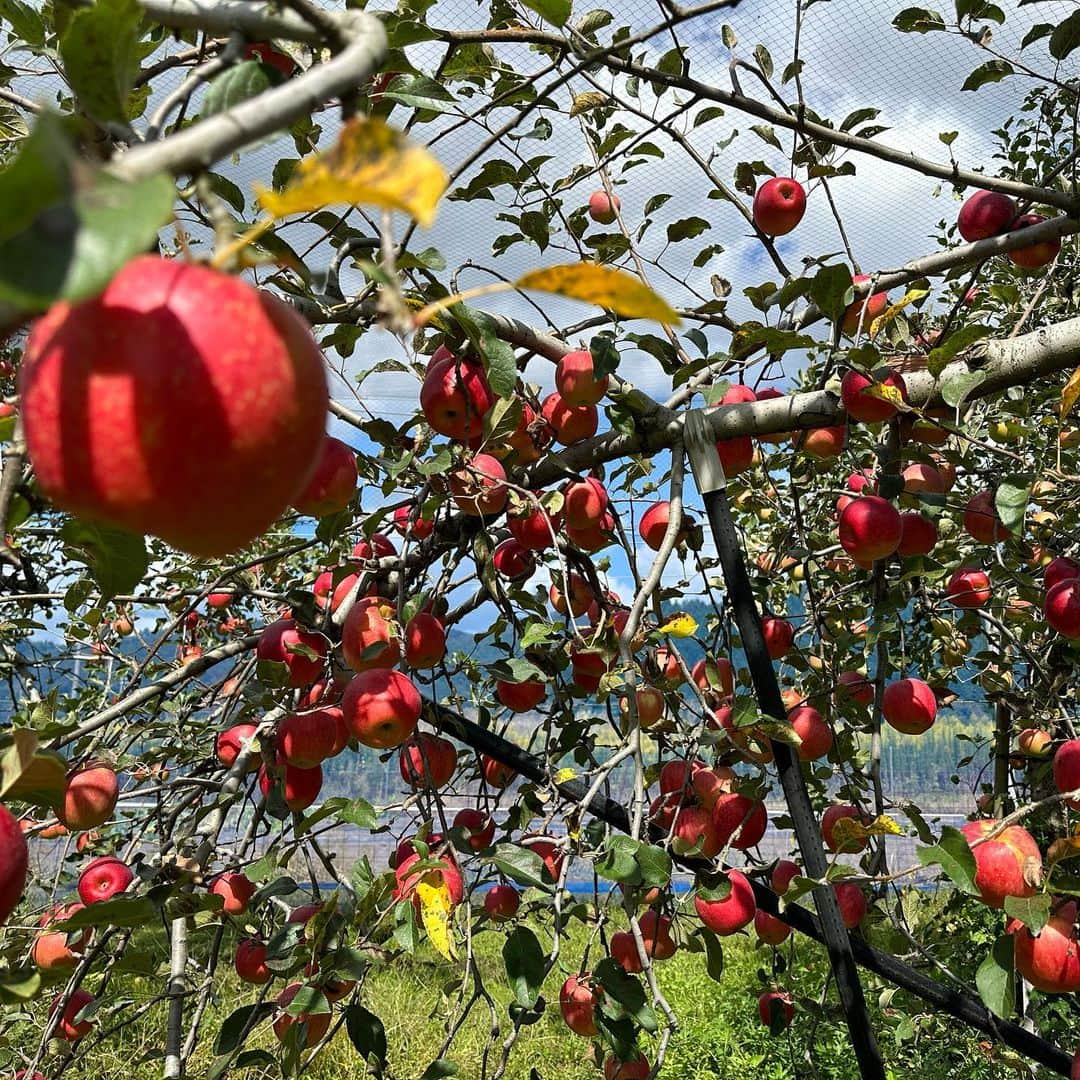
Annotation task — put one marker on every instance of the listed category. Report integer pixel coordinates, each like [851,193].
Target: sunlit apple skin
[870,528]
[152,406]
[577,1003]
[779,637]
[584,503]
[864,406]
[876,307]
[306,739]
[1003,864]
[770,929]
[235,889]
[479,488]
[332,484]
[823,443]
[816,735]
[429,761]
[299,787]
[739,820]
[501,902]
[832,815]
[602,207]
[381,708]
[571,423]
[1067,769]
[909,706]
[479,827]
[981,520]
[425,641]
[68,1028]
[1037,255]
[783,873]
[1060,569]
[14,862]
[229,746]
[984,214]
[654,524]
[732,913]
[455,397]
[250,962]
[736,455]
[576,381]
[1051,960]
[275,642]
[1062,608]
[852,903]
[784,1005]
[103,879]
[89,798]
[368,639]
[969,587]
[520,697]
[779,205]
[918,535]
[52,949]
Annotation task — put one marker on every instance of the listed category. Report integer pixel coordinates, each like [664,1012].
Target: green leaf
[117,559]
[245,80]
[686,229]
[958,385]
[991,72]
[25,21]
[18,985]
[918,21]
[421,92]
[627,991]
[1011,501]
[100,51]
[1066,37]
[1032,911]
[520,865]
[555,12]
[940,356]
[714,954]
[440,1069]
[524,960]
[830,289]
[995,980]
[367,1034]
[618,862]
[954,855]
[117,911]
[231,1035]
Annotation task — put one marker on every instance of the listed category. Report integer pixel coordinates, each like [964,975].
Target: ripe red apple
[584,503]
[1060,569]
[714,673]
[852,903]
[918,535]
[425,641]
[775,1009]
[738,394]
[696,832]
[739,820]
[570,423]
[854,686]
[581,596]
[873,309]
[816,735]
[654,523]
[332,484]
[587,668]
[636,1069]
[733,912]
[909,706]
[501,902]
[479,827]
[151,406]
[576,381]
[833,814]
[90,796]
[779,636]
[1050,961]
[230,742]
[439,755]
[1035,742]
[307,739]
[770,929]
[533,527]
[981,519]
[870,528]
[783,873]
[14,862]
[650,706]
[861,404]
[69,1027]
[512,561]
[446,873]
[300,787]
[58,950]
[1008,865]
[578,998]
[265,53]
[316,1024]
[823,442]
[236,889]
[381,708]
[368,639]
[479,487]
[520,697]
[603,207]
[410,522]
[103,878]
[302,651]
[922,477]
[779,205]
[455,398]
[530,438]
[1062,608]
[495,773]
[656,935]
[969,587]
[984,214]
[1067,769]
[1037,255]
[736,455]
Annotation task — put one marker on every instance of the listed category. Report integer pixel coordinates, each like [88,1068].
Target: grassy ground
[719,1036]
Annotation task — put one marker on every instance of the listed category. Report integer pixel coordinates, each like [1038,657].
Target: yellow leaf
[603,285]
[590,99]
[435,908]
[1070,393]
[681,626]
[563,775]
[848,830]
[885,392]
[893,310]
[372,164]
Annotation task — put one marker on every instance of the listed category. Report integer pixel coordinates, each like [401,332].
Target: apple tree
[385,455]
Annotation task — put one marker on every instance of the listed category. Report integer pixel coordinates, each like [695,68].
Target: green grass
[719,1033]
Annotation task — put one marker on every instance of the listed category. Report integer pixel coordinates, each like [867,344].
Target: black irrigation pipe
[953,1002]
[710,481]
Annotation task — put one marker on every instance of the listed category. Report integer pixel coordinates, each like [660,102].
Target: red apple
[1008,865]
[501,902]
[446,873]
[478,826]
[151,406]
[779,636]
[1051,960]
[984,214]
[770,929]
[1067,769]
[381,708]
[265,53]
[650,706]
[90,796]
[736,455]
[455,398]
[733,912]
[581,596]
[1060,569]
[59,950]
[1035,742]
[307,739]
[236,890]
[570,423]
[920,477]
[520,697]
[918,535]
[636,1069]
[852,903]
[14,862]
[739,821]
[1062,608]
[410,522]
[495,773]
[302,651]
[230,743]
[816,735]
[368,638]
[855,313]
[654,524]
[436,753]
[332,484]
[576,381]
[854,686]
[870,528]
[479,488]
[578,998]
[533,528]
[861,403]
[584,503]
[103,878]
[981,519]
[425,641]
[969,587]
[833,814]
[69,1027]
[783,873]
[1037,255]
[603,207]
[300,787]
[316,1024]
[696,832]
[512,561]
[779,205]
[587,668]
[909,706]
[775,1009]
